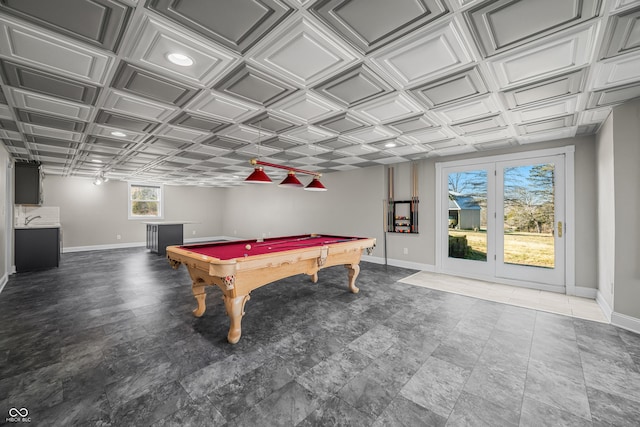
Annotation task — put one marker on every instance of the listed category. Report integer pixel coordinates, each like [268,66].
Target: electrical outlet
[194,232]
[406,251]
[118,237]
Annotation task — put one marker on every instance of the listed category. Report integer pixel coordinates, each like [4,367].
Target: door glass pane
[529,215]
[468,215]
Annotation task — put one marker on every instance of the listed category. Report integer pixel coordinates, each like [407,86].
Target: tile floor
[108,339]
[552,302]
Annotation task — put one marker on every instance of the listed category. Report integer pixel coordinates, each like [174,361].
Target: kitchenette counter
[30,226]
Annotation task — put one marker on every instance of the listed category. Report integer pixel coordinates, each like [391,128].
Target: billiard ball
[248,247]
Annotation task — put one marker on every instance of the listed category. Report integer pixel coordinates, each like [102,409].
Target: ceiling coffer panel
[371,24]
[500,25]
[623,34]
[354,86]
[103,21]
[325,85]
[458,87]
[8,125]
[34,80]
[342,123]
[50,121]
[238,24]
[151,85]
[270,123]
[206,124]
[545,90]
[125,122]
[411,124]
[250,84]
[612,96]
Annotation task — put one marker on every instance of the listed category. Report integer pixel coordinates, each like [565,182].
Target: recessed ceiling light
[390,144]
[96,160]
[180,59]
[118,134]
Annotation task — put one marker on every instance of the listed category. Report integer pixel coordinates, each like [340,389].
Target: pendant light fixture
[290,181]
[315,185]
[258,176]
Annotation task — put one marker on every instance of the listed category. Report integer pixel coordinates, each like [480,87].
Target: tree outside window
[145,201]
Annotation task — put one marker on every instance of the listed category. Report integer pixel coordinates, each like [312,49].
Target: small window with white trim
[145,201]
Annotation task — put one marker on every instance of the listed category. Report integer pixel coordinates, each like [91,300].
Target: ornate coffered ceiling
[324,85]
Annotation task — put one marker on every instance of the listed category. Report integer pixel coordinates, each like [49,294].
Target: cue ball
[248,247]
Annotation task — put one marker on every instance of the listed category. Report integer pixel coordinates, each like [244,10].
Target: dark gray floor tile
[330,375]
[336,413]
[461,349]
[155,403]
[548,385]
[619,379]
[287,406]
[196,413]
[201,382]
[613,409]
[402,412]
[472,410]
[39,388]
[499,379]
[375,387]
[234,398]
[117,344]
[89,409]
[538,414]
[436,386]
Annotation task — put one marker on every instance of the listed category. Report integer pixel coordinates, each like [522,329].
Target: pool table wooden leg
[201,295]
[235,311]
[354,270]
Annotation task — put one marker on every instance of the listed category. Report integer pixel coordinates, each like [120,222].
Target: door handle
[559,228]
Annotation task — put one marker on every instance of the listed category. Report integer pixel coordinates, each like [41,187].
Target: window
[145,201]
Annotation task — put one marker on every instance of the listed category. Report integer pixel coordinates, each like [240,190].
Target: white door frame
[569,191]
[551,276]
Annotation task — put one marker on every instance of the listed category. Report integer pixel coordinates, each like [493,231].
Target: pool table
[238,267]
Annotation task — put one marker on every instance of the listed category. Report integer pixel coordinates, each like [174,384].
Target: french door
[504,220]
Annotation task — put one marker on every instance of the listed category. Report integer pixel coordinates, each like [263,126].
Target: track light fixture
[100,179]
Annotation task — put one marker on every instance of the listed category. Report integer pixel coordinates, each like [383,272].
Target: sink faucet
[28,219]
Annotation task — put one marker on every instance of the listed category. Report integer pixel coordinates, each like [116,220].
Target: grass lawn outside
[520,247]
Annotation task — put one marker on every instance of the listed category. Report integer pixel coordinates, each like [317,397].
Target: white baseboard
[102,247]
[604,305]
[625,322]
[139,244]
[412,265]
[583,292]
[3,281]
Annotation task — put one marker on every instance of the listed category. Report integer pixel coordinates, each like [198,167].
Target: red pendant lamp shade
[291,181]
[315,185]
[258,177]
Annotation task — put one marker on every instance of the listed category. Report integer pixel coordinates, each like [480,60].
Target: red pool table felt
[237,249]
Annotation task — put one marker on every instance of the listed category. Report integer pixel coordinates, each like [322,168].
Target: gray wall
[626,159]
[422,248]
[94,215]
[606,214]
[5,212]
[352,206]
